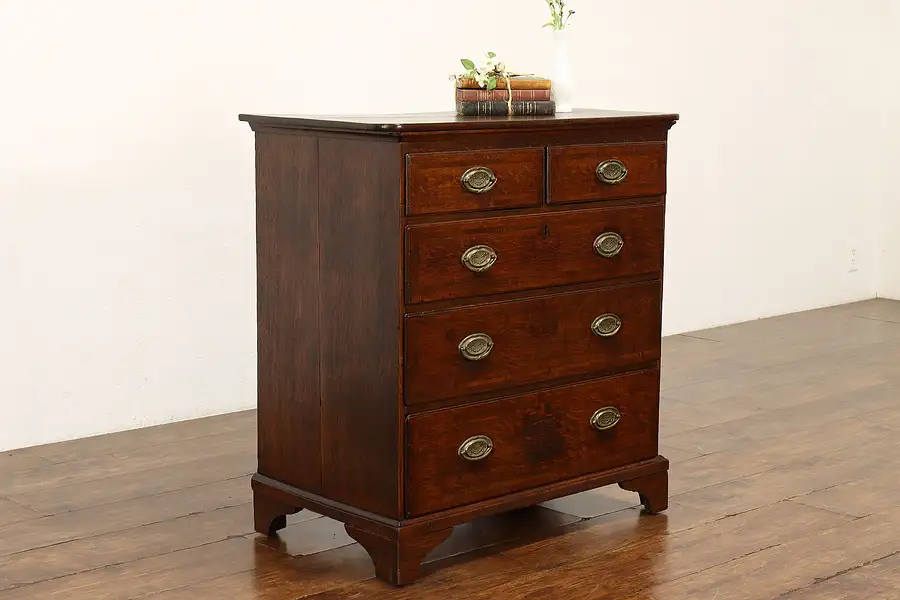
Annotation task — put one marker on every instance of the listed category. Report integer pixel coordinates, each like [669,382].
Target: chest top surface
[395,124]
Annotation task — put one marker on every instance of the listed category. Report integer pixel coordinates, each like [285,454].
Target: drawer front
[607,171]
[469,181]
[533,440]
[486,348]
[504,254]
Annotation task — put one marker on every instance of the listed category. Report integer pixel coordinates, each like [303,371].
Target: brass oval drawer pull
[608,244]
[478,180]
[612,171]
[479,258]
[605,418]
[606,325]
[476,346]
[477,447]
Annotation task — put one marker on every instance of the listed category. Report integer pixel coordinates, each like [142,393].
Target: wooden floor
[782,435]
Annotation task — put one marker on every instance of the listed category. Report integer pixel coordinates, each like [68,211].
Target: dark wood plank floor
[782,434]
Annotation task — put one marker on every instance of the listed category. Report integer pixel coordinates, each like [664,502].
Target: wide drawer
[485,348]
[607,171]
[481,451]
[442,182]
[490,256]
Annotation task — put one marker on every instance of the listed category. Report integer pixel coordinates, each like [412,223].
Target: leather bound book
[516,83]
[468,95]
[500,108]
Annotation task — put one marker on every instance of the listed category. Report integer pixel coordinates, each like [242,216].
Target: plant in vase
[561,72]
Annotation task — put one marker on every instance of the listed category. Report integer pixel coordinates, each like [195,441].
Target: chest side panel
[288,385]
[359,299]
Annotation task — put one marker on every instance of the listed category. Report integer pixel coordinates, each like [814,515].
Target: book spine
[499,109]
[503,95]
[515,83]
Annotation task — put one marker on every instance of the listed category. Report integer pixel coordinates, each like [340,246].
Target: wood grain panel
[102,467]
[537,438]
[562,565]
[433,180]
[359,293]
[573,176]
[276,576]
[147,576]
[533,251]
[287,265]
[11,512]
[158,435]
[96,521]
[127,486]
[60,560]
[535,340]
[21,460]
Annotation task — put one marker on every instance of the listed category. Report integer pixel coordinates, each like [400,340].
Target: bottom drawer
[471,453]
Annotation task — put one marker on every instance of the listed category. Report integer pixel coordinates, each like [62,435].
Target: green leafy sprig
[559,17]
[486,75]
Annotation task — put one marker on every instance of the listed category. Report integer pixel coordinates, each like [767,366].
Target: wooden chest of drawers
[457,316]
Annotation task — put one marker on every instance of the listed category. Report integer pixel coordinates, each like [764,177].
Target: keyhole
[546,232]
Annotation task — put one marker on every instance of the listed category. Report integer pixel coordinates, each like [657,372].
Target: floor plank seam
[736,514]
[664,389]
[47,463]
[235,415]
[822,489]
[717,565]
[296,556]
[106,477]
[3,557]
[879,320]
[674,497]
[51,464]
[667,440]
[797,500]
[15,586]
[254,535]
[788,363]
[139,497]
[28,508]
[500,547]
[626,546]
[731,560]
[697,337]
[818,580]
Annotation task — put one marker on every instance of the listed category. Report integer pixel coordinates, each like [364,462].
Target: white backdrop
[889,215]
[126,180]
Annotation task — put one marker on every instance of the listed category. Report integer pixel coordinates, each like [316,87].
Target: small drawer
[486,348]
[446,182]
[607,172]
[490,256]
[482,451]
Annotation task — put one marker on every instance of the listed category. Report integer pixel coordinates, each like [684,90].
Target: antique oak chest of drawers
[457,316]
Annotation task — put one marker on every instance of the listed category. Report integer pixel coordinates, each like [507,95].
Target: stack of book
[530,96]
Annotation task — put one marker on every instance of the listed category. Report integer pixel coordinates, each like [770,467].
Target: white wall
[889,215]
[126,181]
[889,285]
